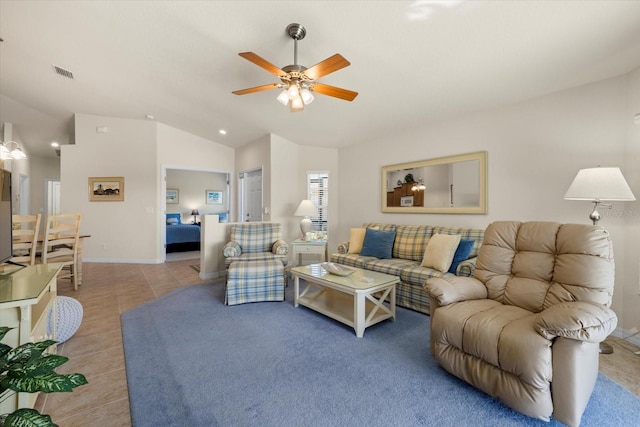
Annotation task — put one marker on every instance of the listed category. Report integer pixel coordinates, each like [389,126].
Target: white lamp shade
[283,98]
[306,208]
[599,184]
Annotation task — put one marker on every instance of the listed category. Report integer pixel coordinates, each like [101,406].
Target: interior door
[251,195]
[53,196]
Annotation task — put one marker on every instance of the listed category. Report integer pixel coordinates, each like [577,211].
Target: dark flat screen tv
[6,242]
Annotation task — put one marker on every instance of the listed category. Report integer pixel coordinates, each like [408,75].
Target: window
[318,193]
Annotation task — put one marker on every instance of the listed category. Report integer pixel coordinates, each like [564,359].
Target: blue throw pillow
[462,253]
[378,243]
[172,216]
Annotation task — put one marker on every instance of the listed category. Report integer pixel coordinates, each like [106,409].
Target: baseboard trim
[207,276]
[621,333]
[123,261]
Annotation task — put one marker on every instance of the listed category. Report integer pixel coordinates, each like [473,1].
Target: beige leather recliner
[526,329]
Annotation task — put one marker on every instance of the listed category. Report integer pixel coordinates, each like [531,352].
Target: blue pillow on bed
[378,243]
[462,253]
[174,218]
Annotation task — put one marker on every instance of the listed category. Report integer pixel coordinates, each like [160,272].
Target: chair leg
[74,276]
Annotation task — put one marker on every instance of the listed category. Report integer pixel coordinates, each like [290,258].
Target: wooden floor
[96,349]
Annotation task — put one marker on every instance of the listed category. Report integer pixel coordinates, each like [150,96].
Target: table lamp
[306,208]
[195,212]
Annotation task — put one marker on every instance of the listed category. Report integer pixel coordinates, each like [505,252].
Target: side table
[304,247]
[26,297]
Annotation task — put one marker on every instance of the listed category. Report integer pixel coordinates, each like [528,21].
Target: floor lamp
[596,185]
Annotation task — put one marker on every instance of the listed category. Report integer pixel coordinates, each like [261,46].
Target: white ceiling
[412,62]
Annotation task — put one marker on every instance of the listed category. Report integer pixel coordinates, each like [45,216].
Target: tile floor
[96,349]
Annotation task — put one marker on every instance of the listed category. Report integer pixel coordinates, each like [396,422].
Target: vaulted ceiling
[412,62]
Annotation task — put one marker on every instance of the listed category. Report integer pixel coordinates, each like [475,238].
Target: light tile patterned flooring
[96,349]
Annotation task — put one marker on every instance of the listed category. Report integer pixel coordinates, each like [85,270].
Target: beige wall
[120,231]
[285,165]
[535,149]
[630,211]
[252,156]
[140,151]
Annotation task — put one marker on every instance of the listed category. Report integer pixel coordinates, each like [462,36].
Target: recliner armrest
[280,247]
[231,249]
[581,321]
[447,290]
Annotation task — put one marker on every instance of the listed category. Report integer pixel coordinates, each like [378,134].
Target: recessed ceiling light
[54,144]
[150,116]
[222,132]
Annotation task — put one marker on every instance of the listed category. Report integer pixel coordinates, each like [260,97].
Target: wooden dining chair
[25,238]
[60,244]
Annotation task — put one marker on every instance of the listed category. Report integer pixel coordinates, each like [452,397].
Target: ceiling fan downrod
[296,32]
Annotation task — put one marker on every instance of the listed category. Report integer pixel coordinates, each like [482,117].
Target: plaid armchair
[256,241]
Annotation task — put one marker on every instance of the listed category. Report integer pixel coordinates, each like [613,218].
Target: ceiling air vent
[64,73]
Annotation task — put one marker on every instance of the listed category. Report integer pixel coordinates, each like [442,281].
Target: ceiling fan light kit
[298,82]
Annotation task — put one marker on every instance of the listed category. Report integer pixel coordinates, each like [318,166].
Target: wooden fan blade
[336,92]
[329,65]
[261,62]
[255,89]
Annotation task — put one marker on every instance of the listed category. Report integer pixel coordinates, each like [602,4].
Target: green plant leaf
[43,364]
[29,369]
[77,379]
[28,418]
[46,383]
[28,350]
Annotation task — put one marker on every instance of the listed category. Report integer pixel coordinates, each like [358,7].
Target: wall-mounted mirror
[454,184]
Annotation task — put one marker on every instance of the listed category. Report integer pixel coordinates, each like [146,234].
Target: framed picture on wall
[213,197]
[172,196]
[106,189]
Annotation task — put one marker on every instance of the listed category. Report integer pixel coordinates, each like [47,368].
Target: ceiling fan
[299,81]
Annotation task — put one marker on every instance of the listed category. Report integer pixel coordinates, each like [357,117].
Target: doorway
[24,195]
[53,196]
[189,189]
[250,195]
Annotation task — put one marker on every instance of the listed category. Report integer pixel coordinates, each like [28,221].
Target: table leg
[392,302]
[296,290]
[78,273]
[359,310]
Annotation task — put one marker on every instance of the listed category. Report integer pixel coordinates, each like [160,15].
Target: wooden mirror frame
[481,208]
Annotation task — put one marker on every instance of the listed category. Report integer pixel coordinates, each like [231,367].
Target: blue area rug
[192,361]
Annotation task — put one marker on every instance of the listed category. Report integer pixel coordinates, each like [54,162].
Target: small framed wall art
[172,196]
[213,197]
[106,189]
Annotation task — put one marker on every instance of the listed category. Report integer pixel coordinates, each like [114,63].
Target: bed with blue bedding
[181,237]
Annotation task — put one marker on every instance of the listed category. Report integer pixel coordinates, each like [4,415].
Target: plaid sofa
[255,241]
[408,250]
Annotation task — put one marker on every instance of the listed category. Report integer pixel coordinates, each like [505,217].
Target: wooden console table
[27,294]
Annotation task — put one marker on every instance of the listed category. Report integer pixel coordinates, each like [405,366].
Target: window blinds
[318,193]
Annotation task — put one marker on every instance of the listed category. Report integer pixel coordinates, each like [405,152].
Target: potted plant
[28,368]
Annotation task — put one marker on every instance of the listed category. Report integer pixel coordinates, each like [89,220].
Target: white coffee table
[357,300]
